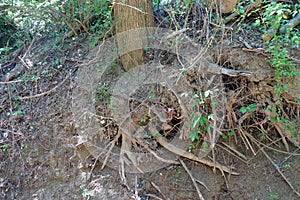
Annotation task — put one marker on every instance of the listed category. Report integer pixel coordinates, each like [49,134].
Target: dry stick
[243,136]
[279,171]
[126,148]
[238,154]
[10,82]
[45,93]
[136,192]
[191,156]
[153,196]
[281,132]
[203,184]
[83,26]
[193,179]
[213,137]
[274,164]
[268,147]
[158,189]
[245,140]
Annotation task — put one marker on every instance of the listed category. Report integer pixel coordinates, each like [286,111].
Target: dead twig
[159,190]
[193,179]
[274,164]
[203,184]
[45,93]
[11,82]
[280,172]
[235,153]
[83,26]
[112,145]
[242,132]
[153,196]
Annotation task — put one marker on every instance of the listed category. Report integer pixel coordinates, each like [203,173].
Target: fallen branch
[248,9]
[291,24]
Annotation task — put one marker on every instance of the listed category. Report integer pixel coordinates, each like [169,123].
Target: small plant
[287,166]
[85,192]
[177,175]
[273,196]
[199,125]
[262,135]
[249,108]
[284,67]
[103,94]
[4,147]
[155,134]
[230,134]
[275,16]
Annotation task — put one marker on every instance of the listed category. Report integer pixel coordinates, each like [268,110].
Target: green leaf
[151,96]
[243,110]
[204,146]
[252,107]
[202,121]
[195,121]
[155,134]
[194,135]
[224,136]
[207,93]
[231,133]
[210,116]
[207,128]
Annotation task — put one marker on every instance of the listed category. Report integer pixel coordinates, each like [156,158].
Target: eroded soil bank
[45,156]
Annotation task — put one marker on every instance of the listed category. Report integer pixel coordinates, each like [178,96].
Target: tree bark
[128,15]
[225,6]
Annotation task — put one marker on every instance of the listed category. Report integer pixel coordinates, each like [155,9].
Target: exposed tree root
[191,156]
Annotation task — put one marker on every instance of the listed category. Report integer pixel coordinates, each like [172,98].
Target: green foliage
[273,196]
[24,20]
[199,125]
[102,94]
[85,192]
[284,67]
[4,147]
[276,14]
[8,30]
[274,17]
[251,108]
[229,134]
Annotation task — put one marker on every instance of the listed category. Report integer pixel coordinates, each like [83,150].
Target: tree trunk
[128,15]
[225,6]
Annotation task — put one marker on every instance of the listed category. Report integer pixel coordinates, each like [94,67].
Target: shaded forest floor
[41,158]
